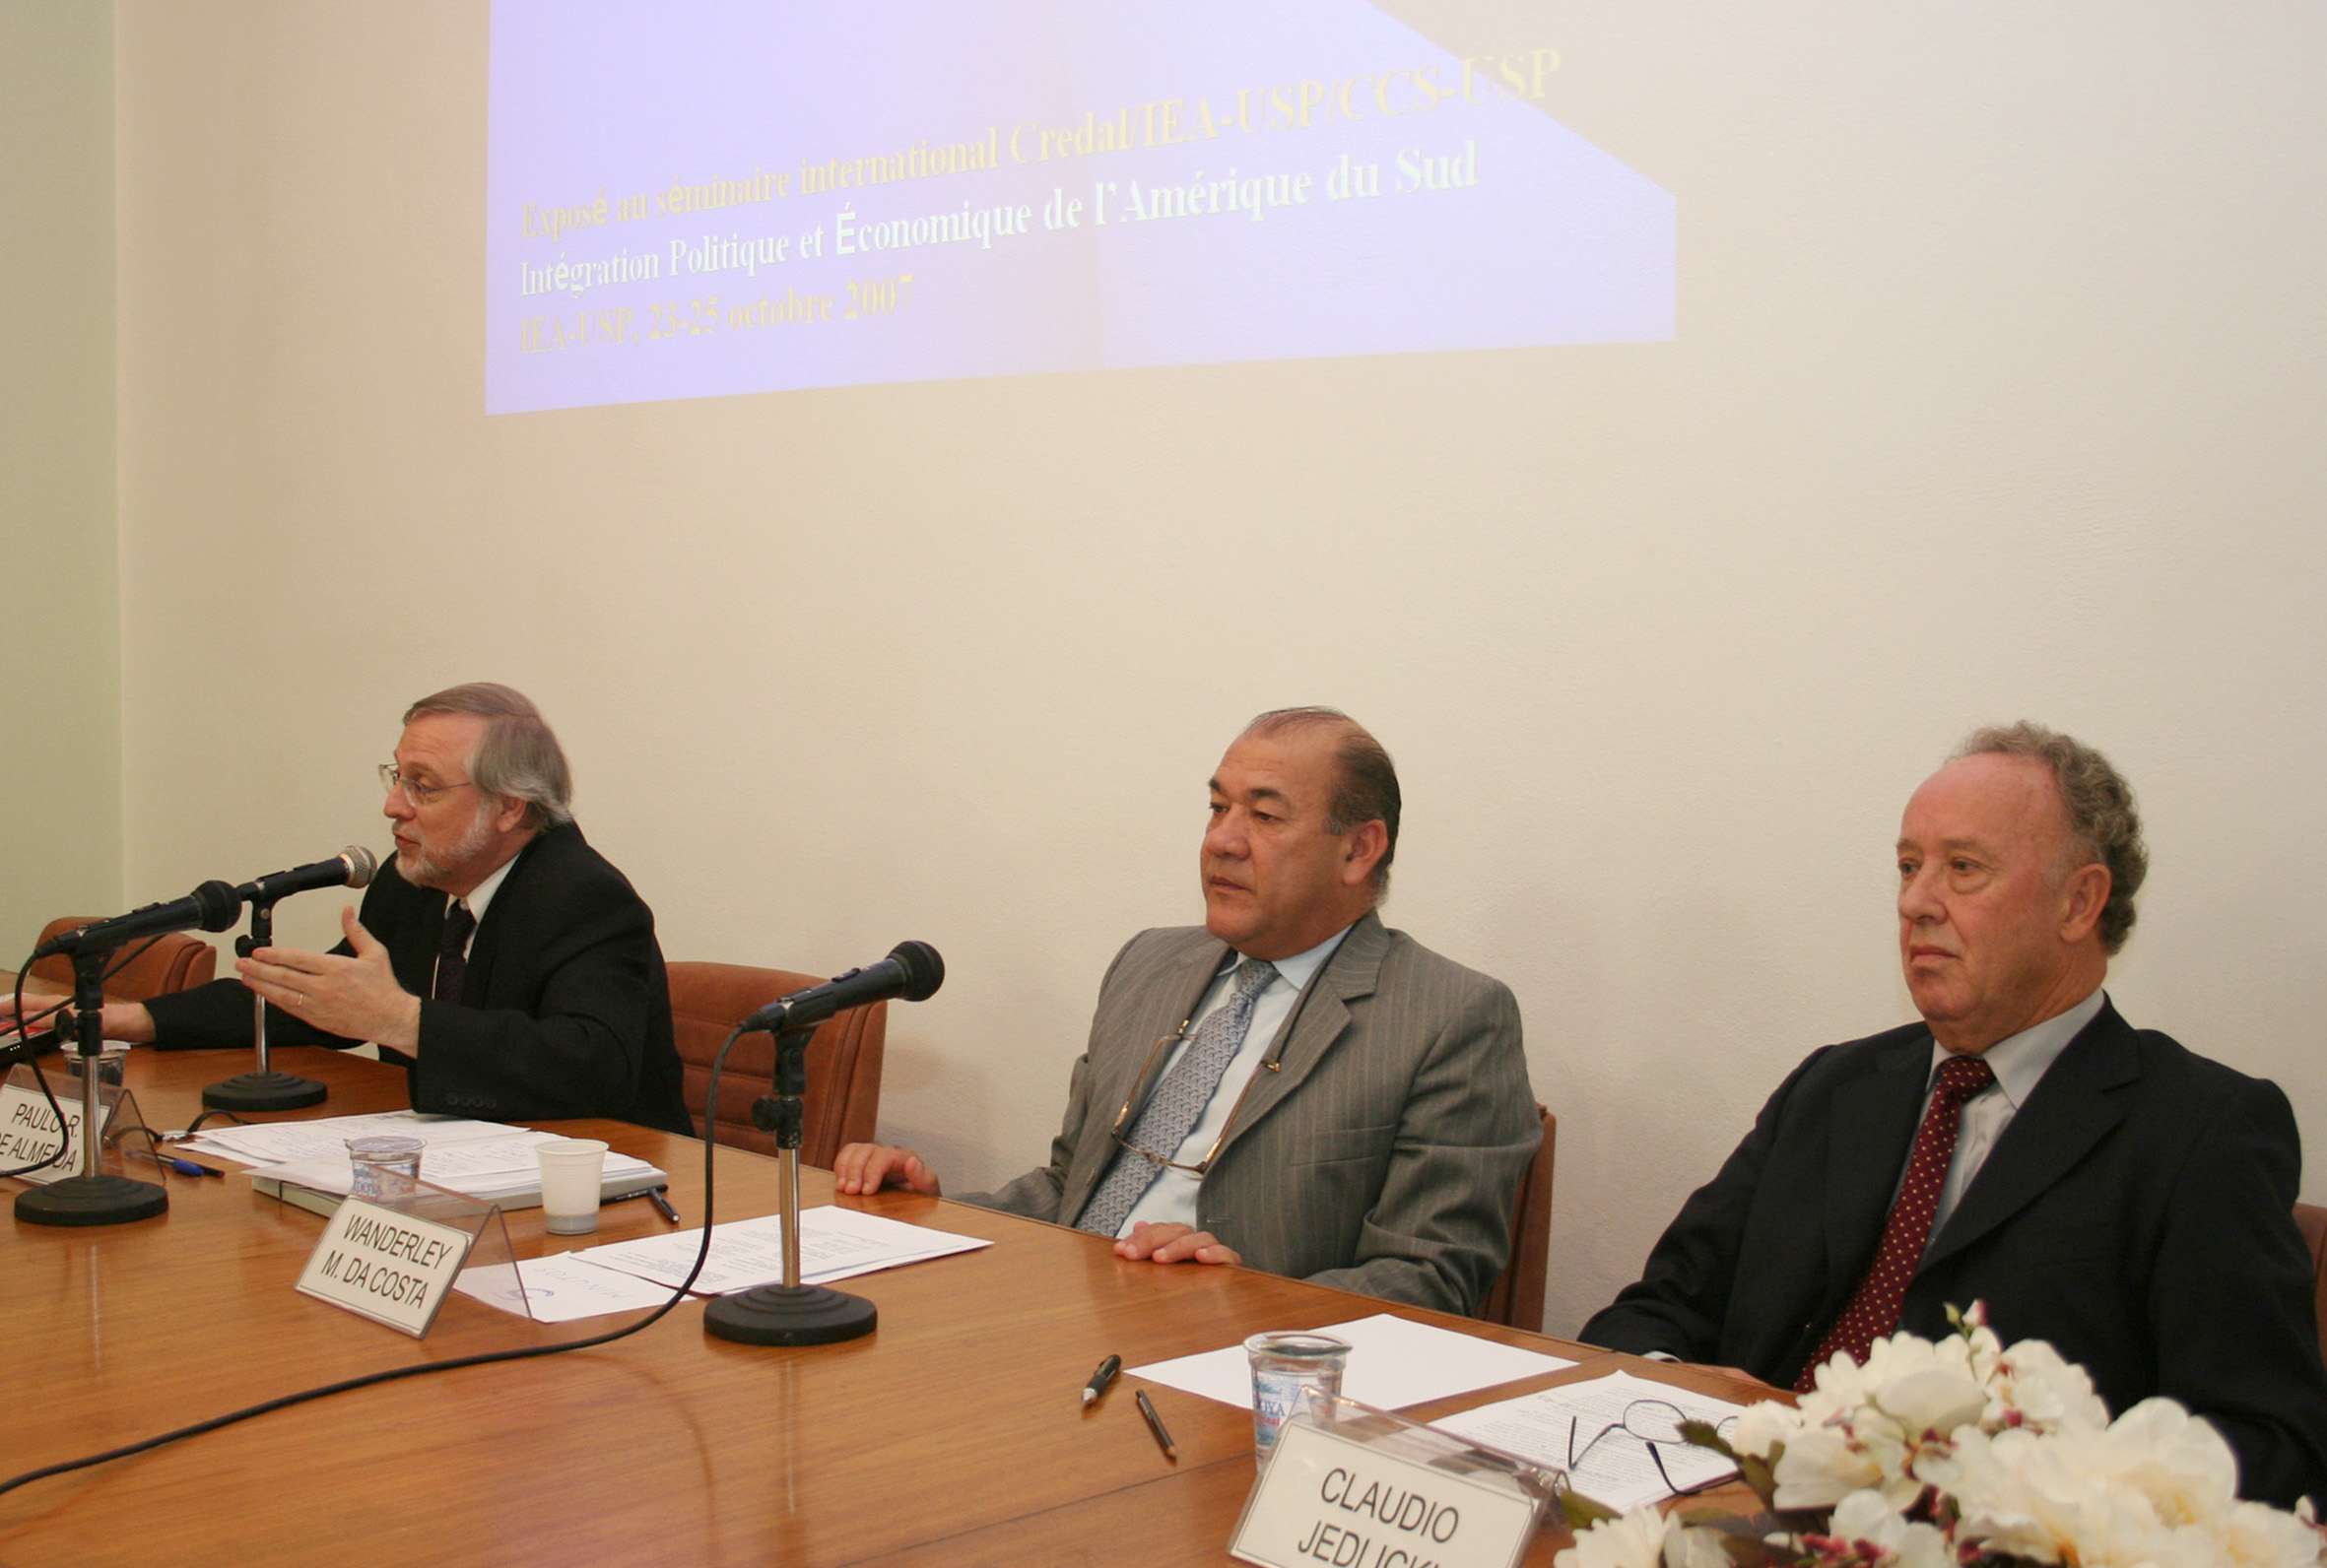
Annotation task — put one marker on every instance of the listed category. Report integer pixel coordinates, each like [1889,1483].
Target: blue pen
[184,1167]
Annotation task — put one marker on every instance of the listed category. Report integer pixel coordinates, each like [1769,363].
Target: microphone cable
[526,1353]
[23,1048]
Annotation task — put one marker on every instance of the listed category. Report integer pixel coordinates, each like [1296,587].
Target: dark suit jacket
[1385,1155]
[2136,1213]
[564,1010]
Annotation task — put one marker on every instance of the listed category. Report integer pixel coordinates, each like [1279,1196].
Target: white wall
[1997,392]
[60,703]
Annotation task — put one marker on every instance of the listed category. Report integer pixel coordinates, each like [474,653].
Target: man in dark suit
[2097,1186]
[500,960]
[1365,1119]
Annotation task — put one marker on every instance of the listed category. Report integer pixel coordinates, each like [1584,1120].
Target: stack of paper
[273,1143]
[491,1161]
[495,1170]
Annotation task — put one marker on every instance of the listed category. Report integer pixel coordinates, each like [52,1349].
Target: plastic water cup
[1284,1367]
[385,1167]
[571,1169]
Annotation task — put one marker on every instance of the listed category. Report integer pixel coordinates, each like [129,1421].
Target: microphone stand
[91,1198]
[790,1313]
[263,1089]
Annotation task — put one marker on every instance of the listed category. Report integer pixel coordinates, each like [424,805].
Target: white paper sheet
[1616,1470]
[1393,1363]
[835,1244]
[563,1288]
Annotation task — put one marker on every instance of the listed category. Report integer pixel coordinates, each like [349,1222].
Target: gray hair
[518,759]
[1366,788]
[2098,805]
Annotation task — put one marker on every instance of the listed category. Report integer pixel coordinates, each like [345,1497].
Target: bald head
[1291,854]
[1999,903]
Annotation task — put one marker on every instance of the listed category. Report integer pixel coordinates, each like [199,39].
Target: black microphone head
[361,865]
[219,904]
[924,971]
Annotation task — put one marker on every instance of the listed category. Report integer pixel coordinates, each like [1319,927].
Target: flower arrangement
[1964,1453]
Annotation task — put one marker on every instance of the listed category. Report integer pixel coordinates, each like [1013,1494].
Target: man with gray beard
[498,958]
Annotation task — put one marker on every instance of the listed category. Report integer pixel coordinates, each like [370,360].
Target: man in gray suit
[1292,1086]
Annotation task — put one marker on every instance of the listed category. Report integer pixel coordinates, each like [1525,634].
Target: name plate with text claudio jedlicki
[392,1268]
[1349,1486]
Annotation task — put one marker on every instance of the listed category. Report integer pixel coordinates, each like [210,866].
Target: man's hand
[124,1021]
[357,997]
[869,1167]
[1151,1243]
[1739,1374]
[45,1012]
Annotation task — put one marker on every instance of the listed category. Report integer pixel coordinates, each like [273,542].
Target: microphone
[912,970]
[352,867]
[212,906]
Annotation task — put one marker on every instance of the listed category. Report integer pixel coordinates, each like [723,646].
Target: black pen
[653,1195]
[1155,1425]
[1100,1379]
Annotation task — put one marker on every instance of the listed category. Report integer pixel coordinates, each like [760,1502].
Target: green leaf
[1762,1475]
[1704,1435]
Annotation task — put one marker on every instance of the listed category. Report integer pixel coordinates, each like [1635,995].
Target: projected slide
[721,196]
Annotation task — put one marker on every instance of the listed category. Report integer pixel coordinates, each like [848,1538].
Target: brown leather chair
[174,963]
[843,1097]
[2311,1220]
[1517,1296]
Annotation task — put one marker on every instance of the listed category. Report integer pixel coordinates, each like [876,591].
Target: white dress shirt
[478,898]
[1171,1196]
[2020,1063]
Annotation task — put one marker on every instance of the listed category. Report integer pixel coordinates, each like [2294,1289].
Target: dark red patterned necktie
[452,952]
[1874,1311]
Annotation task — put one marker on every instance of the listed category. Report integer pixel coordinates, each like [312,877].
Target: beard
[422,868]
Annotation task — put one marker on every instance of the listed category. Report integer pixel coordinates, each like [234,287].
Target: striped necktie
[1178,1102]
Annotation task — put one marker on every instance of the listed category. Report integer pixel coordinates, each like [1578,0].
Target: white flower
[1871,1425]
[2022,1453]
[1869,1517]
[1822,1464]
[1634,1540]
[2031,1384]
[1763,1426]
[1921,1386]
[1687,1547]
[2157,1488]
[2262,1537]
[2180,1464]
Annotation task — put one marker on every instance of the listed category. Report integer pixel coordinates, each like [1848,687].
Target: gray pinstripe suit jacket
[1385,1154]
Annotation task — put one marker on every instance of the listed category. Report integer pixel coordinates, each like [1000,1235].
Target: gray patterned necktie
[1178,1102]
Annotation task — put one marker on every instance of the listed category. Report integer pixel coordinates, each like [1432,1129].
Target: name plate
[1331,1499]
[385,1266]
[28,1130]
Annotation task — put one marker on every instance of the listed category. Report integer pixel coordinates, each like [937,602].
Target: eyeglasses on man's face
[418,794]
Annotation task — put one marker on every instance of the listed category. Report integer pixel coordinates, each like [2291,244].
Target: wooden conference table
[953,1435]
